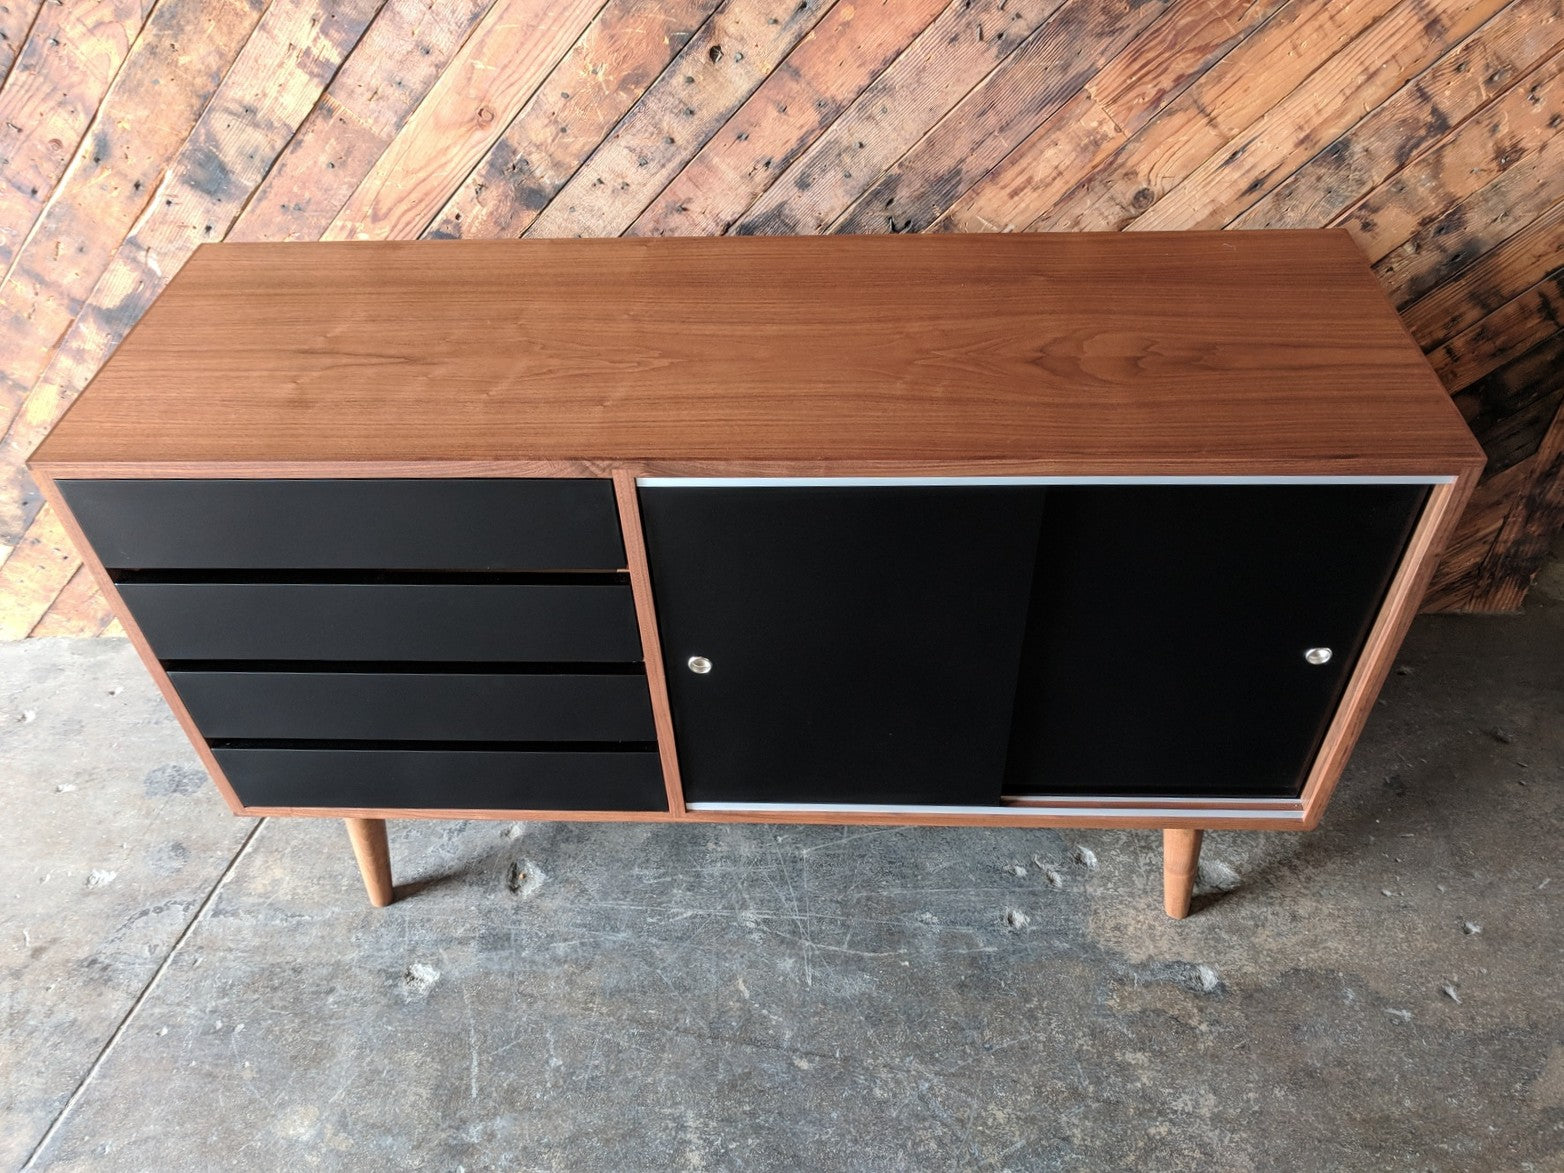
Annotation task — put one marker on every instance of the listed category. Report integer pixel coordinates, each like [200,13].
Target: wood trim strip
[845,818]
[321,469]
[1022,814]
[1445,503]
[651,644]
[1161,802]
[887,482]
[89,558]
[441,812]
[1124,466]
[1063,469]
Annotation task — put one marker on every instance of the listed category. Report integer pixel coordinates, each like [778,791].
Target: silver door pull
[1313,655]
[700,665]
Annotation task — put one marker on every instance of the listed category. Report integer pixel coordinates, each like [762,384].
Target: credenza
[1104,530]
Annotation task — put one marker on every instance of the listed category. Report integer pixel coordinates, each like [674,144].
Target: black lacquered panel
[386,621]
[418,706]
[864,640]
[446,779]
[393,524]
[1165,650]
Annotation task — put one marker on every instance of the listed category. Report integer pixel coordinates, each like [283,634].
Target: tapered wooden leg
[1180,862]
[374,857]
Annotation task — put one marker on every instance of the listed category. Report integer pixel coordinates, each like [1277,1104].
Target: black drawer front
[446,779]
[402,524]
[386,621]
[417,706]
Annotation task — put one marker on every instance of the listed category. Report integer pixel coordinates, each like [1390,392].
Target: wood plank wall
[133,130]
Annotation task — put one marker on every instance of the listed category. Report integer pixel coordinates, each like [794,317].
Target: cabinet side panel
[1437,521]
[651,642]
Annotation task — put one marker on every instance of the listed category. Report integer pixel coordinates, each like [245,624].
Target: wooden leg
[1180,862]
[374,857]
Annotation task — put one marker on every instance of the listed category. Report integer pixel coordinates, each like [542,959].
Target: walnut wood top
[1055,354]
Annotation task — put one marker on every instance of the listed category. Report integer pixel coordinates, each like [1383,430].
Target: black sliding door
[1195,639]
[849,644]
[953,644]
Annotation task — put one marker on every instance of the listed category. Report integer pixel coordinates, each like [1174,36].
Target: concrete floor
[183,990]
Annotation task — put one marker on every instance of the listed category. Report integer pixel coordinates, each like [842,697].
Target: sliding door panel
[1195,639]
[849,645]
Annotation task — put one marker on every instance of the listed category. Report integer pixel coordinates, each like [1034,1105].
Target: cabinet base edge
[1206,818]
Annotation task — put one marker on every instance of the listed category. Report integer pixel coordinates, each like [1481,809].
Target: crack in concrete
[146,990]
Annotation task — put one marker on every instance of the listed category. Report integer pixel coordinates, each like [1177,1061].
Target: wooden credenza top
[1137,353]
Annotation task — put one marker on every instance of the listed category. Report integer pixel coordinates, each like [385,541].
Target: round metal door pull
[700,665]
[1314,655]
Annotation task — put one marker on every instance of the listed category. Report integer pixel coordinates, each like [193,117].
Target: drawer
[628,780]
[394,524]
[418,706]
[386,621]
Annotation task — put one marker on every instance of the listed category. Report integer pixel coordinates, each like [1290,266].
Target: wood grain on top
[1088,354]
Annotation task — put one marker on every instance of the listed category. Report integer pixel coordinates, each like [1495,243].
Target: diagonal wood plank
[173,68]
[1077,138]
[602,76]
[1532,254]
[34,574]
[60,76]
[1479,69]
[1536,515]
[1451,241]
[1454,583]
[513,49]
[958,50]
[1121,98]
[1471,156]
[700,90]
[16,20]
[1135,86]
[1510,409]
[271,86]
[1509,331]
[79,610]
[846,51]
[1053,64]
[1345,88]
[387,75]
[1227,99]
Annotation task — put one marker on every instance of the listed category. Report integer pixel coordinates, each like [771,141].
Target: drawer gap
[420,667]
[441,746]
[125,575]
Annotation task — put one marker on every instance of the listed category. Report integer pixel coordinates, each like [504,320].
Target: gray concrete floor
[183,990]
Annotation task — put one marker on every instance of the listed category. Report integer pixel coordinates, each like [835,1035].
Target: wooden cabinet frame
[152,414]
